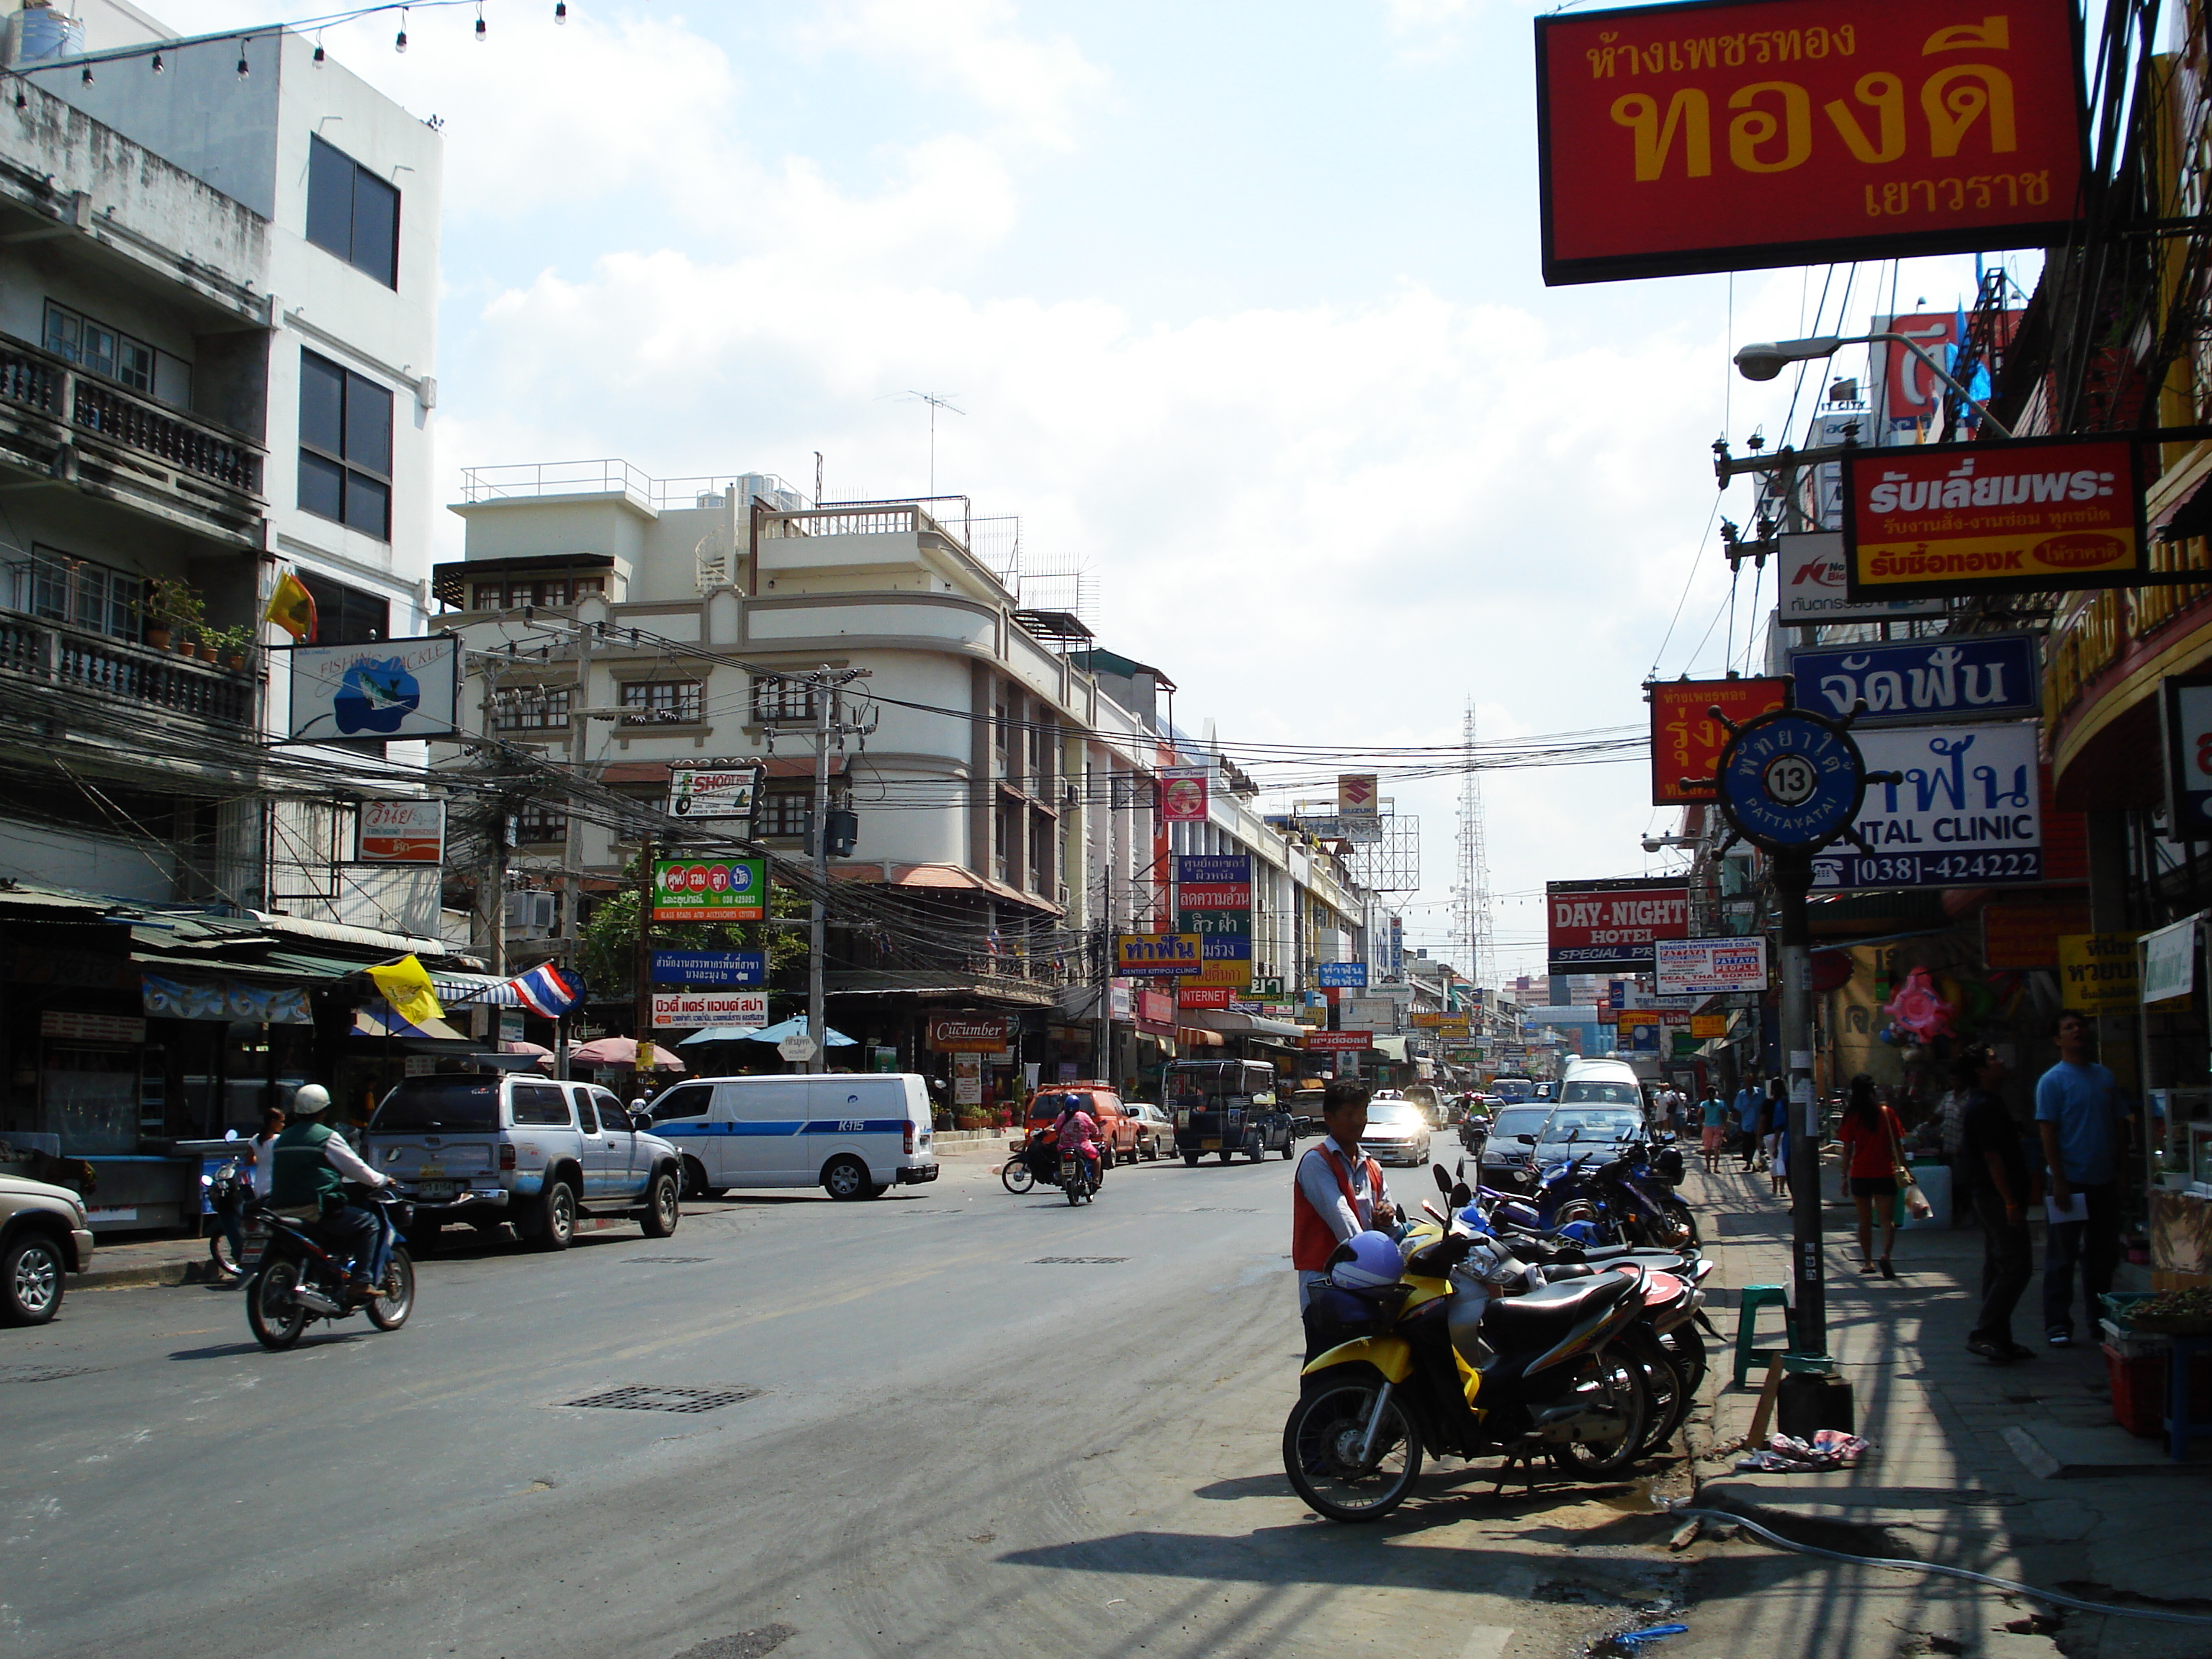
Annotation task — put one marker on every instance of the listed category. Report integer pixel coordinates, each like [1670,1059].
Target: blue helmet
[1367,1261]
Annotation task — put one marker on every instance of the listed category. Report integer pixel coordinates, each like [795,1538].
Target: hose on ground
[2027,1592]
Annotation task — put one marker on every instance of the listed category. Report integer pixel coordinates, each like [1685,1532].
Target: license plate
[434,1190]
[1209,1146]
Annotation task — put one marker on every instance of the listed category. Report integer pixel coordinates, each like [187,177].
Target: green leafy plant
[176,602]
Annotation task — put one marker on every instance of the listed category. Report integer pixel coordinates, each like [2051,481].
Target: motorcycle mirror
[1460,1197]
[1526,1140]
[1443,1181]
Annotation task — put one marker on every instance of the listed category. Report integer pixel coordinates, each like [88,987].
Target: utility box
[532,915]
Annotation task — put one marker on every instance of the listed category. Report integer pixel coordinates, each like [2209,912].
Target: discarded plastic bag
[1829,1448]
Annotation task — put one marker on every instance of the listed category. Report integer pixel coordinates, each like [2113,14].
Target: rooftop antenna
[935,402]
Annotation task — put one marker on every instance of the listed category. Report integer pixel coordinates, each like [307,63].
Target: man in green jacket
[313,1163]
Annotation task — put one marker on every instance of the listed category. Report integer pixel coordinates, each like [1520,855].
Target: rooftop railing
[608,476]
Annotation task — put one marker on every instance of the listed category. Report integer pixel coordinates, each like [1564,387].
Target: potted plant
[174,607]
[234,646]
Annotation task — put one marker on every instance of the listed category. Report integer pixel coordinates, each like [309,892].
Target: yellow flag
[407,986]
[292,608]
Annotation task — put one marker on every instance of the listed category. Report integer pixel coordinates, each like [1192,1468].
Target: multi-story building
[218,273]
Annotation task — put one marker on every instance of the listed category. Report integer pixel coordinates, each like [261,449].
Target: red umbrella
[622,1051]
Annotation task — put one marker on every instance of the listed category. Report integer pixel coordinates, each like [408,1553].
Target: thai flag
[546,990]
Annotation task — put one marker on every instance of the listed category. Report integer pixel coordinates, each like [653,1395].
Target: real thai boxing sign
[2027,515]
[1750,133]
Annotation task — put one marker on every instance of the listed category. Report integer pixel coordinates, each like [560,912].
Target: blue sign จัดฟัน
[1342,976]
[1965,676]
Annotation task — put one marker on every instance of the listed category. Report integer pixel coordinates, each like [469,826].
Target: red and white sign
[1910,396]
[2023,515]
[1814,585]
[1202,996]
[402,832]
[1338,1041]
[693,1009]
[1182,795]
[1613,925]
[1705,137]
[1156,1012]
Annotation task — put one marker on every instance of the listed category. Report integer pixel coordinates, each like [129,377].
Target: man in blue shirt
[2084,1125]
[1750,1110]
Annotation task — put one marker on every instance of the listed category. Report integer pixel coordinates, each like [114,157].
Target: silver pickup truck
[485,1149]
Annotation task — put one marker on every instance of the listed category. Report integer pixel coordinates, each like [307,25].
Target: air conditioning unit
[532,915]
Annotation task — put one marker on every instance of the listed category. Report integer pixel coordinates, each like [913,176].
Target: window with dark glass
[53,584]
[345,616]
[777,701]
[662,702]
[536,825]
[790,813]
[352,212]
[97,347]
[535,590]
[345,447]
[532,708]
[1040,870]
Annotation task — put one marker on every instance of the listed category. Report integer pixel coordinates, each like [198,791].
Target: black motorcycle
[298,1279]
[227,1189]
[1080,1177]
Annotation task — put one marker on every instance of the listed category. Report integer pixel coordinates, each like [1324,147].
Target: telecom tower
[1471,896]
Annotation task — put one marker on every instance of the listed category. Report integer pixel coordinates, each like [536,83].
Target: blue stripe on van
[679,1129]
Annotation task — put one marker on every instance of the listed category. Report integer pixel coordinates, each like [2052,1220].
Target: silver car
[1397,1133]
[1155,1128]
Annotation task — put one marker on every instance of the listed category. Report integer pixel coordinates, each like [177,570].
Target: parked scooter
[298,1280]
[226,1188]
[1405,1356]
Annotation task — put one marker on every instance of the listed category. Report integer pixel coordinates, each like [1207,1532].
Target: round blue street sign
[1791,779]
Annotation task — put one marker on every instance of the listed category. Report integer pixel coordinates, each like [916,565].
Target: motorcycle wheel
[1670,1399]
[1018,1176]
[225,1262]
[1320,1444]
[1684,1217]
[272,1310]
[395,1298]
[1074,1191]
[1685,1346]
[1617,1381]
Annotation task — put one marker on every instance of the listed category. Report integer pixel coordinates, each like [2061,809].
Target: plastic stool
[1756,1296]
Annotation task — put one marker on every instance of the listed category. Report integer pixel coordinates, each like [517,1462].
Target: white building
[218,292]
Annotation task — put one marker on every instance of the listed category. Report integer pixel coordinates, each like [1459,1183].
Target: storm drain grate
[638,1397]
[1077,1261]
[664,1261]
[46,1373]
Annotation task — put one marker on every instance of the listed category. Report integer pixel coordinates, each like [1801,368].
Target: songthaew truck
[1227,1107]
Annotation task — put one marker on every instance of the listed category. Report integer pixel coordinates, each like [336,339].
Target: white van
[1601,1082]
[853,1134]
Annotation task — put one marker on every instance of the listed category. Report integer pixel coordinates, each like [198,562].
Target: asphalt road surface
[961,1422]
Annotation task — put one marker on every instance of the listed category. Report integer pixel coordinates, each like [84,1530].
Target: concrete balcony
[57,422]
[39,656]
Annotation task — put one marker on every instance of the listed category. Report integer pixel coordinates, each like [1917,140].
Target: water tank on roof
[40,33]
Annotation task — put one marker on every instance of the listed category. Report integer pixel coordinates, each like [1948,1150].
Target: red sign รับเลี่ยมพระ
[1686,740]
[2026,515]
[1736,136]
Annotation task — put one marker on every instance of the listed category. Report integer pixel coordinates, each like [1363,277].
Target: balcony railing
[61,655]
[36,380]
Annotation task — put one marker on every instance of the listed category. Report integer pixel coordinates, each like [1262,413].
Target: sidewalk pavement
[2018,1471]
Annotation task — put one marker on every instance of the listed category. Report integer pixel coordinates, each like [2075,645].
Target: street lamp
[1767,359]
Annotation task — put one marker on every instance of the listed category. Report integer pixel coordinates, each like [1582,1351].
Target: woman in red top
[1871,1135]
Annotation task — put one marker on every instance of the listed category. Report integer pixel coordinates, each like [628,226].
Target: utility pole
[641,964]
[817,931]
[572,835]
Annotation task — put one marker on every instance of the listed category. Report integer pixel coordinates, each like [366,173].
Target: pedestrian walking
[1771,1121]
[1871,1135]
[2083,1122]
[1713,1141]
[1992,1171]
[1750,1110]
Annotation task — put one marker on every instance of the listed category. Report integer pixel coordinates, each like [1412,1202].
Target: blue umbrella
[766,1034]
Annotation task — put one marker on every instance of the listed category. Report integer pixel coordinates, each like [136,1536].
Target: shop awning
[1199,1037]
[477,990]
[1390,1047]
[376,1019]
[1237,1024]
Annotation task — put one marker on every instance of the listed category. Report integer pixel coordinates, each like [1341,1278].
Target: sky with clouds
[1241,306]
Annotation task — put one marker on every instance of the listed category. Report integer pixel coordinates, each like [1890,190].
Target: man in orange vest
[1340,1190]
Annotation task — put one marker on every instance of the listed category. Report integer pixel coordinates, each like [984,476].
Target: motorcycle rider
[1340,1191]
[1076,1131]
[312,1163]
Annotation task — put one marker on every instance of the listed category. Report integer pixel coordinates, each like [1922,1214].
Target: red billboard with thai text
[2021,516]
[1750,133]
[1687,738]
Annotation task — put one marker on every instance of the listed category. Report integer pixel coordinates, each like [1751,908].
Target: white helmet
[310,1099]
